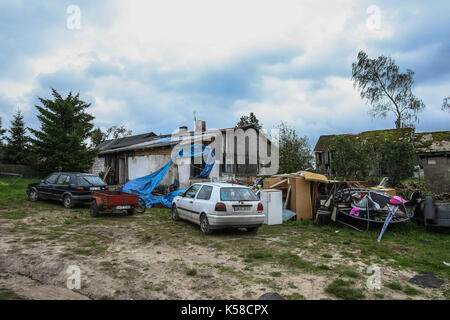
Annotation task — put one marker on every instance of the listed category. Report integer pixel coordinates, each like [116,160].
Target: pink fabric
[354,212]
[397,200]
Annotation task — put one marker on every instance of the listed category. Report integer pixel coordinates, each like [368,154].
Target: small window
[192,191]
[51,178]
[431,161]
[205,193]
[63,179]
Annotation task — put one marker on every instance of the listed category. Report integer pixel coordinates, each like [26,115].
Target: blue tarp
[144,186]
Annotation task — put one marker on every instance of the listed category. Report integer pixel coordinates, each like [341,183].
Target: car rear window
[90,181]
[237,194]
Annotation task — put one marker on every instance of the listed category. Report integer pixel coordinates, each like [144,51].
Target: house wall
[98,166]
[139,166]
[436,173]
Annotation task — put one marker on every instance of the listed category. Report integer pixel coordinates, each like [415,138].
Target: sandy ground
[135,267]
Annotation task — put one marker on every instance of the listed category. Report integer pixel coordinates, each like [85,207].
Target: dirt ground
[150,256]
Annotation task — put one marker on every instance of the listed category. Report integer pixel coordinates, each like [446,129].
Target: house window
[431,161]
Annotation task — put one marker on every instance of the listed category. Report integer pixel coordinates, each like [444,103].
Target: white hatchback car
[219,205]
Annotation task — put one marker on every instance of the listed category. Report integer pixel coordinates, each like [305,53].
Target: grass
[191,272]
[345,290]
[6,294]
[275,274]
[394,285]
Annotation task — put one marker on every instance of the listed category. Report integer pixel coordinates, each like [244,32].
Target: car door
[201,202]
[61,186]
[46,186]
[186,202]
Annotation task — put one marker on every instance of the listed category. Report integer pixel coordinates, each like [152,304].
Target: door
[62,185]
[186,203]
[46,186]
[201,202]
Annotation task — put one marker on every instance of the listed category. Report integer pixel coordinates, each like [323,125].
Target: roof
[150,140]
[325,142]
[432,142]
[126,141]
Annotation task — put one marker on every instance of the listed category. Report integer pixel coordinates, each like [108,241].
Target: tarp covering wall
[144,186]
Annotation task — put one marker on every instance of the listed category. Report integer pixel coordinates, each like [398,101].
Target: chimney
[199,125]
[182,129]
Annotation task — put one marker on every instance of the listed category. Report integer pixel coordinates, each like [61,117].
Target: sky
[149,65]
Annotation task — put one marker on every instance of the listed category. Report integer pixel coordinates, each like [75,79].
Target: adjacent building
[433,152]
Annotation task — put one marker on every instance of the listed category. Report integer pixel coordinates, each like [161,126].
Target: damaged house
[128,158]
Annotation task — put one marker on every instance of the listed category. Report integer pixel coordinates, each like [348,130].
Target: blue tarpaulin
[144,186]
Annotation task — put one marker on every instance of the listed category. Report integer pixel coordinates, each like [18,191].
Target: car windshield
[237,194]
[89,180]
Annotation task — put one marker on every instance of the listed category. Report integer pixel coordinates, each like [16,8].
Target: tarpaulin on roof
[144,186]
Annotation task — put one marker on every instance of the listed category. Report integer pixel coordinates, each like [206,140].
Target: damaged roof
[432,142]
[424,142]
[150,140]
[325,143]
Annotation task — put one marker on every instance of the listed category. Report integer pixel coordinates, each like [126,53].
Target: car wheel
[94,209]
[68,202]
[252,229]
[204,224]
[175,216]
[130,212]
[33,196]
[141,207]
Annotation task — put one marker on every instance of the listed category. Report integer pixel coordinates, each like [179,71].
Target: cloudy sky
[149,64]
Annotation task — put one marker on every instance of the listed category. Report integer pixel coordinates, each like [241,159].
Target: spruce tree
[17,150]
[61,142]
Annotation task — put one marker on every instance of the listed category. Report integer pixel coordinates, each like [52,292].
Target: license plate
[122,207]
[94,188]
[242,208]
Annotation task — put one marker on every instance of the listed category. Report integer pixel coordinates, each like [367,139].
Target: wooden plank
[278,183]
[106,173]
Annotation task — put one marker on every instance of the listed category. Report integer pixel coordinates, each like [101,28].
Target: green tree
[97,137]
[397,160]
[352,159]
[116,132]
[386,89]
[18,147]
[61,141]
[250,119]
[295,151]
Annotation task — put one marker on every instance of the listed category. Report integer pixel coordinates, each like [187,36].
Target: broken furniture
[299,191]
[373,206]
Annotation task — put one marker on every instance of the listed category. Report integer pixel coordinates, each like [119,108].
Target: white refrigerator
[273,206]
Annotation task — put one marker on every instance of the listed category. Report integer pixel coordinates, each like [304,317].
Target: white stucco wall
[143,165]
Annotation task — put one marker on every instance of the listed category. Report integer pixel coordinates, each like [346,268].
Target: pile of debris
[442,196]
[300,192]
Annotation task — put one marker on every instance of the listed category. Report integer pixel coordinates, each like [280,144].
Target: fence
[14,169]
